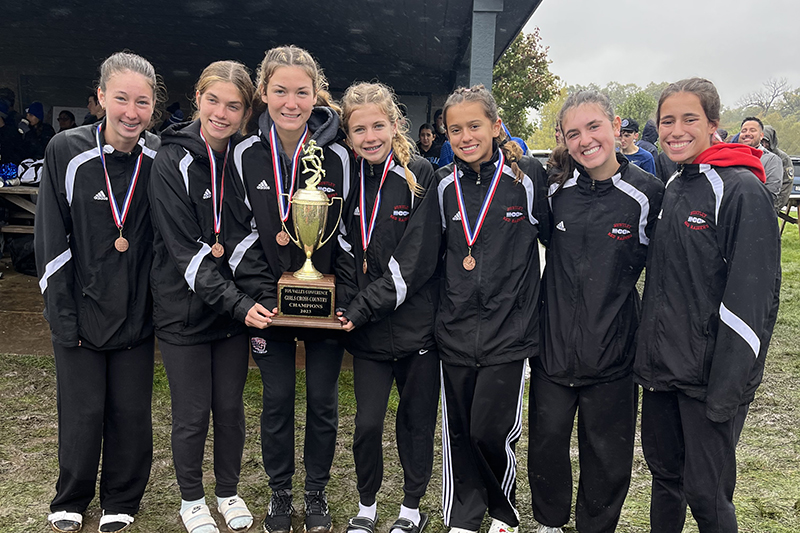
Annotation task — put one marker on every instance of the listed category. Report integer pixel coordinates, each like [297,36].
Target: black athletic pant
[606,429]
[692,459]
[206,378]
[103,400]
[323,363]
[417,378]
[481,424]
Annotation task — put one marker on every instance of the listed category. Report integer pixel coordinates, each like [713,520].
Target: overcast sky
[736,44]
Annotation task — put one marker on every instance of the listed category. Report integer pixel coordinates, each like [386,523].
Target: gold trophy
[307,298]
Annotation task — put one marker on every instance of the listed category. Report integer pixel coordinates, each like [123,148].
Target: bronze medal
[121,244]
[217,250]
[282,238]
[364,266]
[468,262]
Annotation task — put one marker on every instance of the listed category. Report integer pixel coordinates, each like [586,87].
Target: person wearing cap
[39,134]
[629,134]
[10,138]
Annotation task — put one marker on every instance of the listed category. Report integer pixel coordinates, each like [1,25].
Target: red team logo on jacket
[696,220]
[400,213]
[514,214]
[621,231]
[328,188]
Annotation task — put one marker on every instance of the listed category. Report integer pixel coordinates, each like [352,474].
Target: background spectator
[66,120]
[39,134]
[96,111]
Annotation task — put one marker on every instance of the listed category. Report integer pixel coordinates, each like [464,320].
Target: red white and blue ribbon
[119,218]
[283,202]
[216,205]
[469,233]
[366,232]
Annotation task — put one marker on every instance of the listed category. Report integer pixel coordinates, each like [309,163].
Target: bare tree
[764,99]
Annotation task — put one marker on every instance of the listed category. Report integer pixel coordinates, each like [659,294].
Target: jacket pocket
[710,331]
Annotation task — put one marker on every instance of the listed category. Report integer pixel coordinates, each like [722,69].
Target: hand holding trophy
[306,298]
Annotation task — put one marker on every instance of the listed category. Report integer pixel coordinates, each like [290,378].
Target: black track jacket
[490,315]
[256,189]
[597,250]
[92,292]
[194,297]
[393,305]
[711,295]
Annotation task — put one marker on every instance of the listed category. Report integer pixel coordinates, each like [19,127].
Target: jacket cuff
[242,308]
[718,416]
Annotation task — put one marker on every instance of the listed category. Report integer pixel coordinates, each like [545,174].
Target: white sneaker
[548,529]
[498,526]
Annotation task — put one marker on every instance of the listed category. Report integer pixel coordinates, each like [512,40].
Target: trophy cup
[307,298]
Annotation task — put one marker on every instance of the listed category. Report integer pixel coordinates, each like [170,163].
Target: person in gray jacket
[751,134]
[770,142]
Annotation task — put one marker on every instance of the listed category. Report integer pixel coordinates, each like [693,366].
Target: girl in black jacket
[491,203]
[710,303]
[93,264]
[604,211]
[390,240]
[298,110]
[200,314]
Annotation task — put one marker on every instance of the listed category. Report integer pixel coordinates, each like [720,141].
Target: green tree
[639,106]
[522,81]
[543,138]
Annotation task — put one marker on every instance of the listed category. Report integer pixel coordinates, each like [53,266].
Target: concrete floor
[24,331]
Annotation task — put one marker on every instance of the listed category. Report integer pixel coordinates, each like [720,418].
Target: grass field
[767,496]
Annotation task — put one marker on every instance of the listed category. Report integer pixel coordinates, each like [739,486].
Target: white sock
[366,511]
[188,505]
[410,514]
[242,522]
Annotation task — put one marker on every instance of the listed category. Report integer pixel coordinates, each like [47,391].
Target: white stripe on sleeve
[400,286]
[717,185]
[442,186]
[241,249]
[72,169]
[53,267]
[644,205]
[184,166]
[194,265]
[741,328]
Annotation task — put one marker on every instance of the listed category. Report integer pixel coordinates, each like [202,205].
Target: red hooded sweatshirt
[734,155]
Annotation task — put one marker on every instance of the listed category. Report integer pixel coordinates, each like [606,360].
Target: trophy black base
[307,303]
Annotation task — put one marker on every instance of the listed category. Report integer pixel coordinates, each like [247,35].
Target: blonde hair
[478,93]
[231,72]
[292,56]
[378,94]
[128,62]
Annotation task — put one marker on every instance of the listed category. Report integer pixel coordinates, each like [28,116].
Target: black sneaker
[318,516]
[279,513]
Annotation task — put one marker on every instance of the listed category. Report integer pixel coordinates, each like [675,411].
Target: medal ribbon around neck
[471,235]
[119,219]
[366,233]
[283,203]
[215,205]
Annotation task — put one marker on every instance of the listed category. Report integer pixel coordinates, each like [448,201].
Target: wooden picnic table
[15,195]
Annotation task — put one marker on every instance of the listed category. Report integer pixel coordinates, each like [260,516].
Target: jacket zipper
[659,294]
[581,267]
